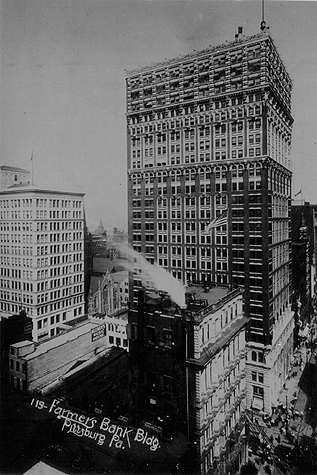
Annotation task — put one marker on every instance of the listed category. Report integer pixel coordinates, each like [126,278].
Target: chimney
[239,34]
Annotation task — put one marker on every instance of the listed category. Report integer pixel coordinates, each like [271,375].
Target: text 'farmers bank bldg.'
[209,135]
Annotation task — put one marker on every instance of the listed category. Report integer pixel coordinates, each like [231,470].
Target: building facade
[108,293]
[116,329]
[217,383]
[304,239]
[10,176]
[60,355]
[209,136]
[188,373]
[42,257]
[104,295]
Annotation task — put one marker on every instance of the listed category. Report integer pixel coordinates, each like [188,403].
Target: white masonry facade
[42,257]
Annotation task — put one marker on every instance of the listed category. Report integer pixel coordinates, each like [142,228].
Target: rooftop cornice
[30,189]
[211,49]
[8,168]
[221,342]
[264,162]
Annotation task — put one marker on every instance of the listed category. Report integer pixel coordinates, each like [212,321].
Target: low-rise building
[38,367]
[116,328]
[13,176]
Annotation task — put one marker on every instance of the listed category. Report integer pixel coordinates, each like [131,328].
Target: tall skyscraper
[209,136]
[42,256]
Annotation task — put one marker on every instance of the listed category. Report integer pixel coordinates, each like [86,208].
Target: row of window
[188,276]
[54,320]
[39,203]
[190,91]
[254,184]
[152,86]
[203,133]
[17,366]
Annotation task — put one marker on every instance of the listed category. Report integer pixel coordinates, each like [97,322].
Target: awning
[257,403]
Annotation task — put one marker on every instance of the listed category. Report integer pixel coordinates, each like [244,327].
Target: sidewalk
[293,393]
[289,422]
[291,384]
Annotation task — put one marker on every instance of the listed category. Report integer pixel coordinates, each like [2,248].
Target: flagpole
[31,160]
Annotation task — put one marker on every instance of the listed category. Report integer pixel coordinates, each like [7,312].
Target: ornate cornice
[197,54]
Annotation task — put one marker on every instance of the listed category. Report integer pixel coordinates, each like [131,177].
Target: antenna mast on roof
[263,22]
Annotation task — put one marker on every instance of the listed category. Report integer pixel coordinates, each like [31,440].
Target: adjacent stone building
[189,373]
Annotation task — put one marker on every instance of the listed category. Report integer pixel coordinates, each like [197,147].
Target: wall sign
[98,333]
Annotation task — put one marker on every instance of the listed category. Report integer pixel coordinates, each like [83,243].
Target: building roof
[63,338]
[21,344]
[31,188]
[120,276]
[212,294]
[103,264]
[94,283]
[42,468]
[123,314]
[207,301]
[226,335]
[13,169]
[194,55]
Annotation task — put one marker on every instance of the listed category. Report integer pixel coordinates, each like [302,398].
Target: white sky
[63,83]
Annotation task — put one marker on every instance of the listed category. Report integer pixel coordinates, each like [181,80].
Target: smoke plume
[159,277]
